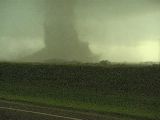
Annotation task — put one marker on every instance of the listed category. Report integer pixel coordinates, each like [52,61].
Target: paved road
[23,111]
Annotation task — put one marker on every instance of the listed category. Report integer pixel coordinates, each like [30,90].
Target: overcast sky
[116,30]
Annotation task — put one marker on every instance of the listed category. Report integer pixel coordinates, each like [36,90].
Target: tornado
[61,37]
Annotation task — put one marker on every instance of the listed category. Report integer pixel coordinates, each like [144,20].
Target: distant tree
[104,62]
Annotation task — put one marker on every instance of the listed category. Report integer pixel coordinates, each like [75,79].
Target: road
[10,110]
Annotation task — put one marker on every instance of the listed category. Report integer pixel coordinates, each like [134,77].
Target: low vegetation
[116,89]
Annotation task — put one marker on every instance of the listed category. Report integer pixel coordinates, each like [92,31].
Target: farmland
[125,90]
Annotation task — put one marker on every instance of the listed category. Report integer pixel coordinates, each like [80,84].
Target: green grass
[125,90]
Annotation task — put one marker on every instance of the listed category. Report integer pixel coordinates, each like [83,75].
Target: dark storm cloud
[118,21]
[20,28]
[75,29]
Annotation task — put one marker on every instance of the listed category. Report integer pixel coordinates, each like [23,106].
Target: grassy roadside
[116,105]
[60,87]
[119,105]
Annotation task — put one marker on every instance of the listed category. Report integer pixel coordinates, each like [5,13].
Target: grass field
[115,89]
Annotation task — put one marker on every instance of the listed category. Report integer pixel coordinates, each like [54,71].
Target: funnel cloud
[61,38]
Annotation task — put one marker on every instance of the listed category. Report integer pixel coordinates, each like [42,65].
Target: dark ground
[130,90]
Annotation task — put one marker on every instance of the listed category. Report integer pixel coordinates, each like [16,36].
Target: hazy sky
[117,30]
